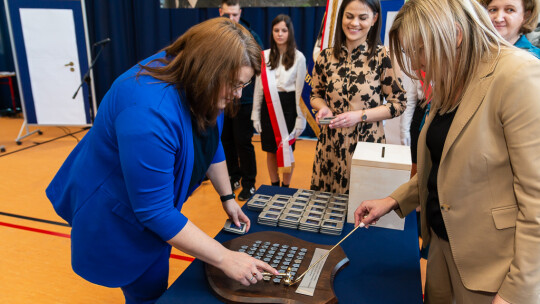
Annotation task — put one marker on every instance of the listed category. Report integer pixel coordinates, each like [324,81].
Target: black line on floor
[44,142]
[35,219]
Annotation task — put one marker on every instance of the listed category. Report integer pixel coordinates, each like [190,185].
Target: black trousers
[239,152]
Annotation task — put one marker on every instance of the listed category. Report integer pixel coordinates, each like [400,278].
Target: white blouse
[291,80]
[415,93]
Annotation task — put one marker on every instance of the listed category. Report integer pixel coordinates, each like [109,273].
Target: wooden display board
[231,291]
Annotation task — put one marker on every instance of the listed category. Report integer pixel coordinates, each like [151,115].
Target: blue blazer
[123,186]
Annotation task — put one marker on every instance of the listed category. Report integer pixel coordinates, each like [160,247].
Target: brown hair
[205,59]
[230,2]
[288,57]
[374,34]
[529,23]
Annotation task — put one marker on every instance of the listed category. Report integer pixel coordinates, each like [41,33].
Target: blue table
[384,264]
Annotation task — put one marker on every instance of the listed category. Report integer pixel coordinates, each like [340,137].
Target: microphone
[86,77]
[104,41]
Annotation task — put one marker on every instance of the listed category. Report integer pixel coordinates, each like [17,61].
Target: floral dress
[351,83]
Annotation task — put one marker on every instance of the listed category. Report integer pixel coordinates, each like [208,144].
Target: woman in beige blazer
[478,180]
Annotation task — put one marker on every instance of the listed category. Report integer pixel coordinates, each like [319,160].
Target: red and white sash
[284,140]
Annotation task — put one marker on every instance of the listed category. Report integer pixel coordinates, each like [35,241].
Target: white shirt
[291,80]
[415,92]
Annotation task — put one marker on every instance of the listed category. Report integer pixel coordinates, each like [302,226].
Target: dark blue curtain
[6,58]
[6,65]
[138,29]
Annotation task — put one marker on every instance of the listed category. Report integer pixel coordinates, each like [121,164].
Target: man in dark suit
[238,130]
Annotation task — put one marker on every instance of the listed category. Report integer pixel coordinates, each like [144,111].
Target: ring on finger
[253,277]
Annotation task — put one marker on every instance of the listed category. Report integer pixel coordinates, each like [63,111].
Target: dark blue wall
[6,64]
[140,28]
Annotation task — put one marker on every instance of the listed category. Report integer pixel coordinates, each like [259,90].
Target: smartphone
[326,120]
[231,227]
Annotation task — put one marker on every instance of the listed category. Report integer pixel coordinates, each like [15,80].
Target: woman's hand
[499,300]
[323,112]
[257,126]
[369,212]
[299,126]
[236,214]
[243,268]
[346,120]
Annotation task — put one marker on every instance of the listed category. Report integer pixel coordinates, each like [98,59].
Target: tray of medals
[306,210]
[286,254]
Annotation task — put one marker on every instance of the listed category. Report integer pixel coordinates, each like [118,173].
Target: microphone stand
[86,78]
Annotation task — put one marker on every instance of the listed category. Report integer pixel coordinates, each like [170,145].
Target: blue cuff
[168,224]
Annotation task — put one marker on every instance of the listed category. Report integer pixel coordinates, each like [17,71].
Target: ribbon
[284,140]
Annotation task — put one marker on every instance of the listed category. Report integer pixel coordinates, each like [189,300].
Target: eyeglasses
[241,86]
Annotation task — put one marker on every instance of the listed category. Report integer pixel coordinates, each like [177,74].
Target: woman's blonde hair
[205,59]
[450,65]
[530,21]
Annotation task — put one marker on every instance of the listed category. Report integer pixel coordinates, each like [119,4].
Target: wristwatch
[364,116]
[227,197]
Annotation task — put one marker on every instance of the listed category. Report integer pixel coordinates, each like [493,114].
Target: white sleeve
[257,99]
[411,86]
[300,79]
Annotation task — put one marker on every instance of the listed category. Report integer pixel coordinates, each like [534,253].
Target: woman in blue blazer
[155,137]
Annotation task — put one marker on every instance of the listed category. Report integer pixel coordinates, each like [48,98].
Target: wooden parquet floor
[34,242]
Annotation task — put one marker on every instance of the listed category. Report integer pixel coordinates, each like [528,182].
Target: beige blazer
[489,179]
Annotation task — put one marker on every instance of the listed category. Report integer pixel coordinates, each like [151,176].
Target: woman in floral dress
[351,81]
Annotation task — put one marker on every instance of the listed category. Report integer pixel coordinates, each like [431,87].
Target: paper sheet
[309,281]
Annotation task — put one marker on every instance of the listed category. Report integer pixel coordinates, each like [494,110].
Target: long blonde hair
[450,65]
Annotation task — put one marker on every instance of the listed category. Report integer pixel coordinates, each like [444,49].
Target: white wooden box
[376,171]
